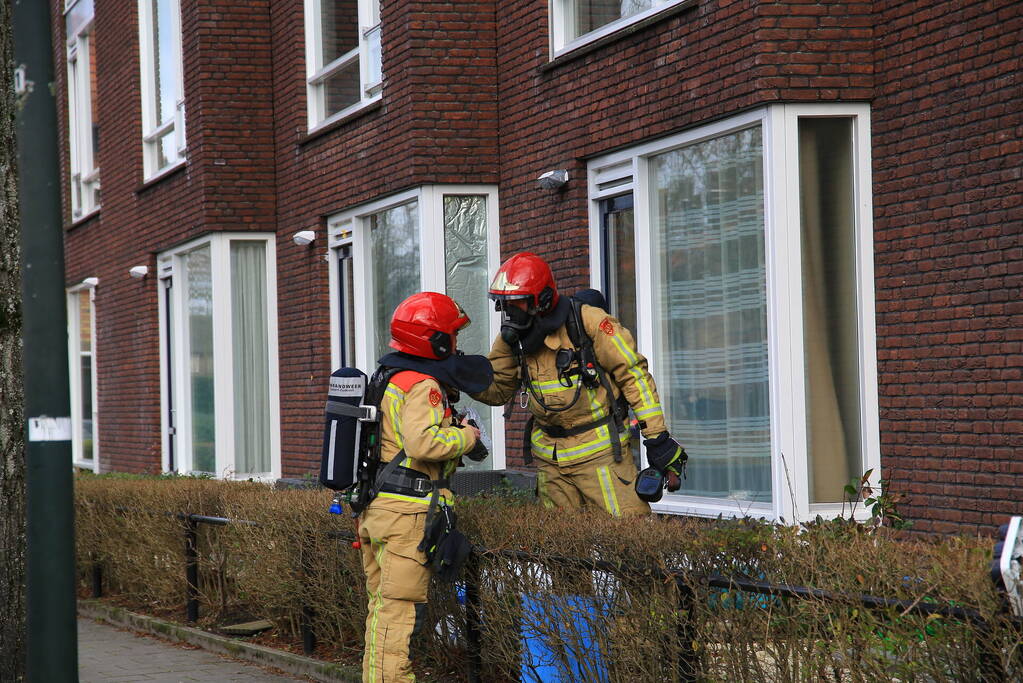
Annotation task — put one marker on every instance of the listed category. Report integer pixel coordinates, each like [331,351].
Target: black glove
[666,456]
[477,453]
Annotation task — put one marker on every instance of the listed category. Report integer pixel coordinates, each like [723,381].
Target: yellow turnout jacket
[627,372]
[416,417]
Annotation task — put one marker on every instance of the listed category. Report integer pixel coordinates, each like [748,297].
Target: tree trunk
[12,421]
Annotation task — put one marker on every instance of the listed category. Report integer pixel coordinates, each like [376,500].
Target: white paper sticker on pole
[49,429]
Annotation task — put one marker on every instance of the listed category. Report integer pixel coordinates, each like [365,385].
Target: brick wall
[437,123]
[948,208]
[709,61]
[470,96]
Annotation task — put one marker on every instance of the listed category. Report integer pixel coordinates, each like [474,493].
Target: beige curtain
[829,306]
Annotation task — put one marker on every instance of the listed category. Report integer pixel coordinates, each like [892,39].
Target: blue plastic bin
[575,655]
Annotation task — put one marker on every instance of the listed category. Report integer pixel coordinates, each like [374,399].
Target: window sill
[82,220]
[597,43]
[162,176]
[369,107]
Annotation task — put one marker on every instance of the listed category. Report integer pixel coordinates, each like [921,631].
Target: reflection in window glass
[395,246]
[830,334]
[339,28]
[199,314]
[465,279]
[85,375]
[250,354]
[711,341]
[341,88]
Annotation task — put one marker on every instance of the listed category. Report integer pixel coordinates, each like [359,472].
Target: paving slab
[108,654]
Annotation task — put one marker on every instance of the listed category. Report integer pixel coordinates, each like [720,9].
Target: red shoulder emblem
[435,397]
[607,327]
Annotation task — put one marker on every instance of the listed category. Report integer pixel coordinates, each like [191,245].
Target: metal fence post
[97,578]
[989,655]
[473,616]
[307,614]
[191,569]
[688,663]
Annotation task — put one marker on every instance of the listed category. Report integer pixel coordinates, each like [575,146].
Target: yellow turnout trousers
[599,481]
[396,582]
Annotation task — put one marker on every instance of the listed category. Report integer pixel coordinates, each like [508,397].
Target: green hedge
[540,593]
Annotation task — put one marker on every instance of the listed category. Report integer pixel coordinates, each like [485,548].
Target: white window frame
[317,73]
[75,376]
[84,171]
[627,170]
[153,130]
[350,228]
[562,16]
[169,266]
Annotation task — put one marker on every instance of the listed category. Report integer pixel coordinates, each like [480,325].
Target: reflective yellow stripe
[575,452]
[597,412]
[643,413]
[552,385]
[607,488]
[541,489]
[410,499]
[633,360]
[414,499]
[397,401]
[378,602]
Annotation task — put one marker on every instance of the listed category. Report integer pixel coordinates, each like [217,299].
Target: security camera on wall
[139,272]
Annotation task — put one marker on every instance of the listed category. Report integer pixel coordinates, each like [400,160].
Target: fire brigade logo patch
[435,397]
[607,327]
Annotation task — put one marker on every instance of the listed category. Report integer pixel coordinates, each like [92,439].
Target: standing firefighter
[421,443]
[576,367]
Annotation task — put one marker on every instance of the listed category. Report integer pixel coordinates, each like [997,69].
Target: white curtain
[251,357]
[395,246]
[711,307]
[465,273]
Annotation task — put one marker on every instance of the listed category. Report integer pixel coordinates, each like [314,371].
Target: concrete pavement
[107,654]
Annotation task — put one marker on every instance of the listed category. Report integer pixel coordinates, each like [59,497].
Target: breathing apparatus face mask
[516,322]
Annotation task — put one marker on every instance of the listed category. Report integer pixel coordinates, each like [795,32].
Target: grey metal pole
[52,646]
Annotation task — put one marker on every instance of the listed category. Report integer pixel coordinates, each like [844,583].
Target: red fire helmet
[525,276]
[424,325]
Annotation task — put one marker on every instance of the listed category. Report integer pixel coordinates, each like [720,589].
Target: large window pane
[711,317]
[465,279]
[830,344]
[394,234]
[85,374]
[341,88]
[620,267]
[165,60]
[199,314]
[250,354]
[339,28]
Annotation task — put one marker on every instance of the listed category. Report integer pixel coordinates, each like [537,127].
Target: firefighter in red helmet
[421,443]
[576,367]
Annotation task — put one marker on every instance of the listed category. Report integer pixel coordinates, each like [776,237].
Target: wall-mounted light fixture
[304,237]
[90,282]
[553,180]
[139,272]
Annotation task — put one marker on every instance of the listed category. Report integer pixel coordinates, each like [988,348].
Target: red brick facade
[471,95]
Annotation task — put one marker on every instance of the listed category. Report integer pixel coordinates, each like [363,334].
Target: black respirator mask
[516,323]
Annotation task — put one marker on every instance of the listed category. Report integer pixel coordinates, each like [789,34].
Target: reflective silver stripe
[330,452]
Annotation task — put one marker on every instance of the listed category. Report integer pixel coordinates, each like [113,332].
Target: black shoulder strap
[582,340]
[574,325]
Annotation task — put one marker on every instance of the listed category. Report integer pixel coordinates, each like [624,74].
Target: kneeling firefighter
[578,370]
[405,523]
